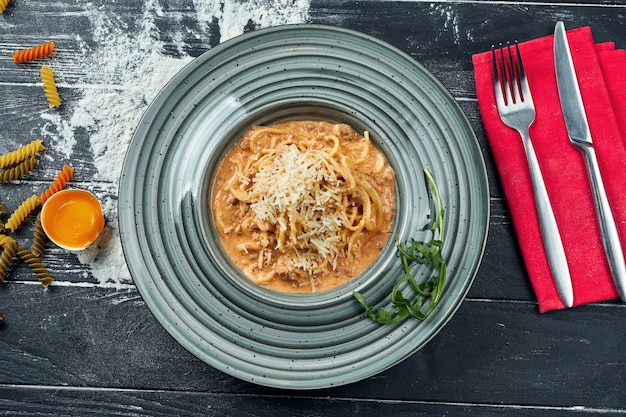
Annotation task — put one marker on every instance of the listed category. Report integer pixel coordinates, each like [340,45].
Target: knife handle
[547,225]
[608,228]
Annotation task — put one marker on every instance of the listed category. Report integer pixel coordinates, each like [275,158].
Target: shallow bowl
[295,72]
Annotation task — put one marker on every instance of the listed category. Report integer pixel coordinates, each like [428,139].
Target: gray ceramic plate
[284,73]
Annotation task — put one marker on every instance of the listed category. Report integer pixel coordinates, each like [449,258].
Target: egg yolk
[72,218]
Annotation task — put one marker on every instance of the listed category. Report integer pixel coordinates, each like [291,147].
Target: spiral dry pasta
[3,210]
[21,212]
[21,153]
[39,238]
[18,171]
[14,165]
[35,264]
[3,5]
[58,184]
[9,246]
[50,87]
[36,52]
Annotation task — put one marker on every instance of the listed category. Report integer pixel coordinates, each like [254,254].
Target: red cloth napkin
[602,79]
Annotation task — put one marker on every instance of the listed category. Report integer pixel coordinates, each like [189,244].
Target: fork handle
[547,224]
[608,228]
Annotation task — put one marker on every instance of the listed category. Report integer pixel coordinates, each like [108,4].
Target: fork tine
[522,76]
[496,78]
[511,81]
[510,78]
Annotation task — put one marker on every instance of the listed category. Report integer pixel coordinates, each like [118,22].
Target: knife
[580,136]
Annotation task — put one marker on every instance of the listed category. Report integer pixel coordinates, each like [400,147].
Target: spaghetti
[296,204]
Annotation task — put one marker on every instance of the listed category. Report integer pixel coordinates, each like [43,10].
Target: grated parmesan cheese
[295,202]
[295,189]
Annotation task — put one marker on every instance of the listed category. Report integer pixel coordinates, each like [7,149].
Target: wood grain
[82,348]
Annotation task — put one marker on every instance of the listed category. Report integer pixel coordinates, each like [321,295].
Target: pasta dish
[303,206]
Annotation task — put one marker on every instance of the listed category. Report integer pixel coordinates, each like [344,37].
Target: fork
[517,111]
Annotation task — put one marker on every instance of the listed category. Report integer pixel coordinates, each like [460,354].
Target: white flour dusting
[59,132]
[262,12]
[451,23]
[129,68]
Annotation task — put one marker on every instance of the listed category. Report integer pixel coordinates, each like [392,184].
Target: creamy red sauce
[353,192]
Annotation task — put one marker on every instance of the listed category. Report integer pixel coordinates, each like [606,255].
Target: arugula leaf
[412,251]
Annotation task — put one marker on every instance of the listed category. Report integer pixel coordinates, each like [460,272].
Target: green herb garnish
[411,252]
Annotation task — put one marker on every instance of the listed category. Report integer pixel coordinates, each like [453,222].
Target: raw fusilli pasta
[58,184]
[3,210]
[3,5]
[21,212]
[50,87]
[14,165]
[35,265]
[21,153]
[31,54]
[4,239]
[9,246]
[19,170]
[39,238]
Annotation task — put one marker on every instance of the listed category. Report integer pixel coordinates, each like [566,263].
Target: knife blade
[580,136]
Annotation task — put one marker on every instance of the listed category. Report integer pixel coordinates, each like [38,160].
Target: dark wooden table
[88,345]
